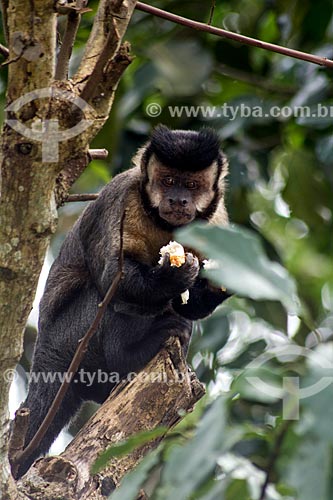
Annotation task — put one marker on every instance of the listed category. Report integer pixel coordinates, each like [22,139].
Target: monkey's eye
[168,181]
[191,185]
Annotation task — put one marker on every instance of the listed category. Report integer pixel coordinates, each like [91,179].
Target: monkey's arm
[152,286]
[203,299]
[149,287]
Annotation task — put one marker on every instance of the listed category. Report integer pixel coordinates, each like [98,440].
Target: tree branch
[156,397]
[73,22]
[98,154]
[189,23]
[81,197]
[97,75]
[4,7]
[29,180]
[274,456]
[211,12]
[101,69]
[111,15]
[4,51]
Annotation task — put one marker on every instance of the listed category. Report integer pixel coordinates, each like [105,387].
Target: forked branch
[111,15]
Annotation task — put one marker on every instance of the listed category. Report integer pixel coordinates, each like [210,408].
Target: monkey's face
[180,196]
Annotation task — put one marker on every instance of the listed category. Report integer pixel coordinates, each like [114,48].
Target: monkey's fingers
[192,260]
[165,260]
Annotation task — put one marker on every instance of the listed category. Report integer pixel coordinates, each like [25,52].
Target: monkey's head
[182,176]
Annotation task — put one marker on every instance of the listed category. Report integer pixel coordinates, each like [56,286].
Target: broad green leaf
[216,330]
[133,481]
[126,447]
[242,264]
[309,470]
[190,465]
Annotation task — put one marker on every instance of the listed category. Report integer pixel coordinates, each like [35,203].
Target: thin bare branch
[304,56]
[211,13]
[274,457]
[78,356]
[81,197]
[4,7]
[98,154]
[73,22]
[4,51]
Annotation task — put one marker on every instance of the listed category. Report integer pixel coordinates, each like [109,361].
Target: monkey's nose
[178,201]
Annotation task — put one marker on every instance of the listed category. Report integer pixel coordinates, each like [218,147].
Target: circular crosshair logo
[47,131]
[290,392]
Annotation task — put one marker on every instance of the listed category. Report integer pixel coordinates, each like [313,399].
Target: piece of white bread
[176,252]
[177,258]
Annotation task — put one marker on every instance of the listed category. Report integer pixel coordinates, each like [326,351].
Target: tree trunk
[34,170]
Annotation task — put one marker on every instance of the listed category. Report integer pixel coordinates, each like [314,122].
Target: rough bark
[133,406]
[28,179]
[27,215]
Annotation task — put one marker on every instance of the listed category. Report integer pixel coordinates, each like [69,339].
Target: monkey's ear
[141,157]
[223,165]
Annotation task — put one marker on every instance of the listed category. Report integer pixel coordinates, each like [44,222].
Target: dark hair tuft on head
[184,150]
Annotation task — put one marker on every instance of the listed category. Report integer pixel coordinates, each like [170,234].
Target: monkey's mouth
[177,217]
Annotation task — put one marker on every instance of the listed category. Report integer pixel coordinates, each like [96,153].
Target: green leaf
[126,447]
[242,264]
[190,465]
[237,489]
[133,481]
[216,331]
[309,469]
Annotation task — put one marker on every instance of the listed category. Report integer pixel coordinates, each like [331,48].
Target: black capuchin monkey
[178,176]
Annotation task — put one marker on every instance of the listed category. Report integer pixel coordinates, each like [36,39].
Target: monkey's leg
[40,396]
[133,352]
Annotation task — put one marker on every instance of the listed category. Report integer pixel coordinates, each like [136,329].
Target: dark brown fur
[146,309]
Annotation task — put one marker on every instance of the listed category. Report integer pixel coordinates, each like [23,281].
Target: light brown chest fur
[142,239]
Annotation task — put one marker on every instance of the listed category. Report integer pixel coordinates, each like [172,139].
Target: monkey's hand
[203,299]
[152,288]
[176,280]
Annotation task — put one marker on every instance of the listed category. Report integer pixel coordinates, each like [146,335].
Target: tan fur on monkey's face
[180,196]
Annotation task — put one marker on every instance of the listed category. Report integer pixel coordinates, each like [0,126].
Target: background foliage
[237,445]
